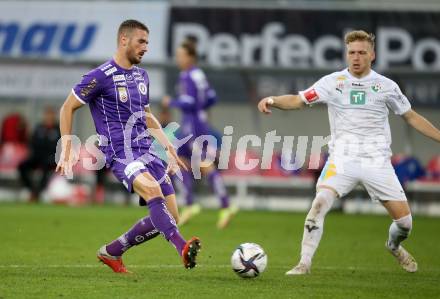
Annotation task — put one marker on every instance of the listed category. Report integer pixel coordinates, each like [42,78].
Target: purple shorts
[127,171]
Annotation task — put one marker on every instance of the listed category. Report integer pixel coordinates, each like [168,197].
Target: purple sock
[141,232]
[188,185]
[164,222]
[217,185]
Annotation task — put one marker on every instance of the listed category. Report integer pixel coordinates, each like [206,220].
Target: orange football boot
[190,251]
[114,262]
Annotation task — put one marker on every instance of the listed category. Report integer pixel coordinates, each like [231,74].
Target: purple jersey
[117,98]
[194,97]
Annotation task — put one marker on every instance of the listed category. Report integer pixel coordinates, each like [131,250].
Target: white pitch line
[224,266]
[98,265]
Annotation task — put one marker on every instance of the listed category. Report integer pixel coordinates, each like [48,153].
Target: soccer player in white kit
[358,100]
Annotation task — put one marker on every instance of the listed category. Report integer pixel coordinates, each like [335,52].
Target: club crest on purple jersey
[142,88]
[123,96]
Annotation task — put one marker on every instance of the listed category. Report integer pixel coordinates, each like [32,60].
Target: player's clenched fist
[264,105]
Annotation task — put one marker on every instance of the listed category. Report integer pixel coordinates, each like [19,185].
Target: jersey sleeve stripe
[77,97]
[303,98]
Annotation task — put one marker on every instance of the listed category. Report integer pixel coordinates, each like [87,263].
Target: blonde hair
[359,35]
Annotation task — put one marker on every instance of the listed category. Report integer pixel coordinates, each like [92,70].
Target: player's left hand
[174,162]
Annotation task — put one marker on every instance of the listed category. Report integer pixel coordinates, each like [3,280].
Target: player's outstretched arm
[156,131]
[422,125]
[64,166]
[285,102]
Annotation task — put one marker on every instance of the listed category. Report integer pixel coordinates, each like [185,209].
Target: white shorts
[381,183]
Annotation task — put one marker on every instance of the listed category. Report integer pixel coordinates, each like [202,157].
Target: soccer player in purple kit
[195,96]
[118,96]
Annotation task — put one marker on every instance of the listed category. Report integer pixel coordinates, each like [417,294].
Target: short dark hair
[190,47]
[129,25]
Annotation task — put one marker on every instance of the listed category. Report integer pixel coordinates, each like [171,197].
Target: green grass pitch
[49,252]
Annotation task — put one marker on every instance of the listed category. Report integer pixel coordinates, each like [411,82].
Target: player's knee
[404,223]
[147,187]
[150,192]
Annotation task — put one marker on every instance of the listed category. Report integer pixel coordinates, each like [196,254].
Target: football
[249,260]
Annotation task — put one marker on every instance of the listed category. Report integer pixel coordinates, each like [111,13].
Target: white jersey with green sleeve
[358,112]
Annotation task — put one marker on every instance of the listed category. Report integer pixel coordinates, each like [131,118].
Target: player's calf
[314,225]
[399,231]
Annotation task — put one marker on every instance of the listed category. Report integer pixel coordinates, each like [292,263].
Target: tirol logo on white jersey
[357,97]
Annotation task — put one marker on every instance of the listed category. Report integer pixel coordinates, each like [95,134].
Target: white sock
[314,224]
[399,231]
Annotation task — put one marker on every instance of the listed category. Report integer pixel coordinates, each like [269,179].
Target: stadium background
[265,48]
[249,49]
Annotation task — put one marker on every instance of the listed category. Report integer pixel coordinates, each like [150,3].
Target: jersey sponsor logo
[117,78]
[138,77]
[357,97]
[311,95]
[110,71]
[142,88]
[121,83]
[123,95]
[104,68]
[86,90]
[129,77]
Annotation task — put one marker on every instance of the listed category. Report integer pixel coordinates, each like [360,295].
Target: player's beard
[132,57]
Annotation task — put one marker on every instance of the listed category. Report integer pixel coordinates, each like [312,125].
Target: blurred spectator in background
[42,148]
[14,129]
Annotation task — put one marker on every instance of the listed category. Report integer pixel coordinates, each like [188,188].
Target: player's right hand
[174,162]
[264,105]
[65,165]
[64,168]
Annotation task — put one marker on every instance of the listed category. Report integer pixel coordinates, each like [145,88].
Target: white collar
[370,75]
